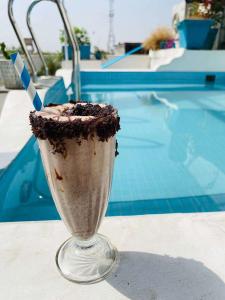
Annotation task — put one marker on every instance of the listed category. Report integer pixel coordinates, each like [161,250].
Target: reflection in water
[25,191]
[98,97]
[198,135]
[153,99]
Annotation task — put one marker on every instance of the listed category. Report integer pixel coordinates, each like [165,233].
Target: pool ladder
[75,80]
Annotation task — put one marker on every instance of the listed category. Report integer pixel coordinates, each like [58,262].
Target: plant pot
[194,34]
[85,52]
[67,52]
[167,44]
[211,38]
[98,55]
[10,78]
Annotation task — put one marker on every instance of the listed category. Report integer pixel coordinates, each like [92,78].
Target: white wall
[188,60]
[131,62]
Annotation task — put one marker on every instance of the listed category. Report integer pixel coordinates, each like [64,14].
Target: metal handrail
[75,80]
[21,40]
[34,37]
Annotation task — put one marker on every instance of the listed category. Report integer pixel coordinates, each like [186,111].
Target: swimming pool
[171,157]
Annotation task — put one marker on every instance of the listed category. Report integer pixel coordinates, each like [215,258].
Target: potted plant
[66,51]
[161,38]
[9,75]
[99,54]
[83,41]
[199,29]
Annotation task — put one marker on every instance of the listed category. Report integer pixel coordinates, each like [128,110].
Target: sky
[133,22]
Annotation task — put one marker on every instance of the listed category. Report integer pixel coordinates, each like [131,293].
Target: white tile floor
[2,99]
[14,124]
[163,257]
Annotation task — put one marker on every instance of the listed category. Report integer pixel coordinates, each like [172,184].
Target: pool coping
[160,256]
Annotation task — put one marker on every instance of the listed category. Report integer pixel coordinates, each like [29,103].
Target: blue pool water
[171,157]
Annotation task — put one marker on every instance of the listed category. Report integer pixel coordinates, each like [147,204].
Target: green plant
[161,34]
[82,36]
[217,10]
[53,61]
[213,9]
[4,51]
[80,33]
[62,37]
[100,54]
[198,9]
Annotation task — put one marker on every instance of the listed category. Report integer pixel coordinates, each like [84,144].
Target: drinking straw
[116,59]
[26,80]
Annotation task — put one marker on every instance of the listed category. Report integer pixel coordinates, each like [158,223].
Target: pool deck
[166,257]
[14,124]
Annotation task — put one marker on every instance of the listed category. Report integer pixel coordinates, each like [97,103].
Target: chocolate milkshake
[78,147]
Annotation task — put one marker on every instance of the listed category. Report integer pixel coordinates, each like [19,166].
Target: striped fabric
[26,80]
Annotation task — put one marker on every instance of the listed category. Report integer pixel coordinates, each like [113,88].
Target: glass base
[86,261]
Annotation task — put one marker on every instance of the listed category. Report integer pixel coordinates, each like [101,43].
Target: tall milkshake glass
[78,147]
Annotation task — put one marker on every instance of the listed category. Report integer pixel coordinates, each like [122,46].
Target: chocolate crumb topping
[74,121]
[89,110]
[116,152]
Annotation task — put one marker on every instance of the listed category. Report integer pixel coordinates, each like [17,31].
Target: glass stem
[85,244]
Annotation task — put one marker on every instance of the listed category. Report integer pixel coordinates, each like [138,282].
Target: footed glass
[80,180]
[86,261]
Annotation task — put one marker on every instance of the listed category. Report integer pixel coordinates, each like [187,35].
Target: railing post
[75,80]
[34,37]
[21,40]
[75,46]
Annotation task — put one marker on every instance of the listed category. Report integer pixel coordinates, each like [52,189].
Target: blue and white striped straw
[26,80]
